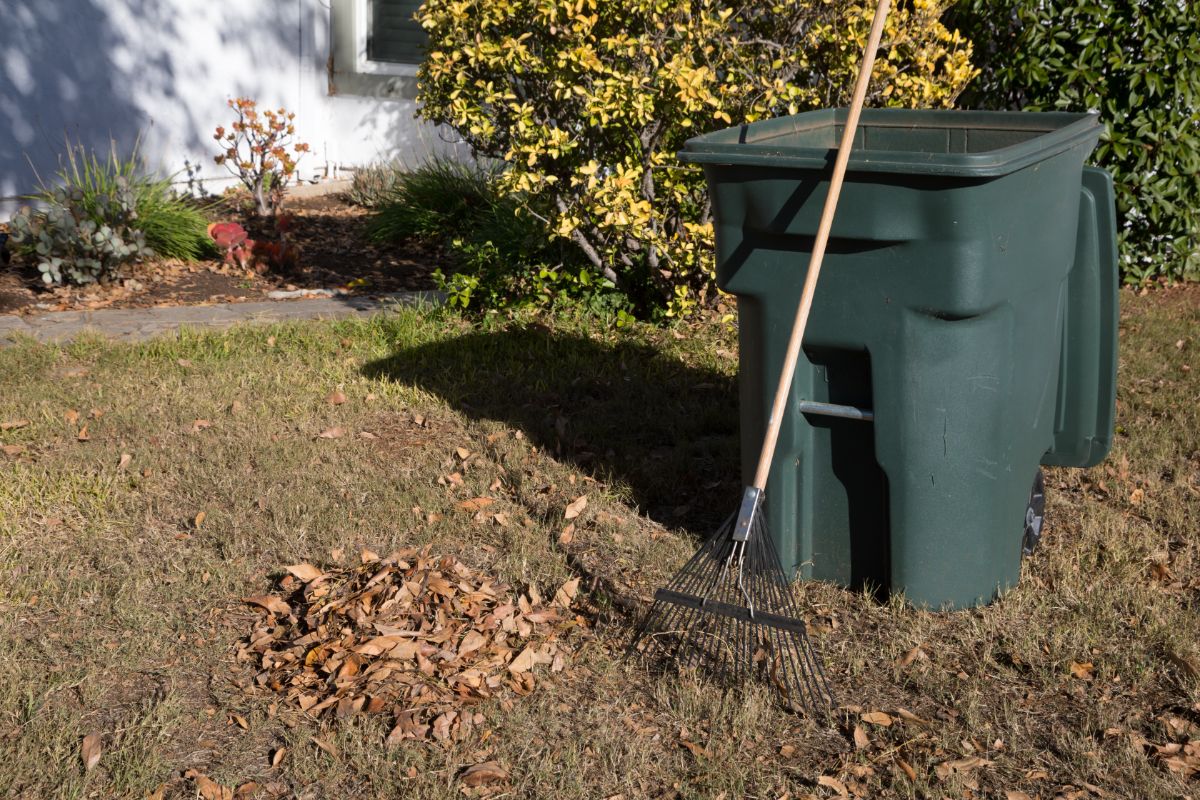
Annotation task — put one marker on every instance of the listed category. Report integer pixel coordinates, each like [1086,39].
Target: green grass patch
[120,605]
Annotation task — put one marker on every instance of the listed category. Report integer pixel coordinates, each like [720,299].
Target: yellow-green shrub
[589,101]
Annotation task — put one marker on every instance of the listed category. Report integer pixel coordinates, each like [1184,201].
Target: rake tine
[742,624]
[812,670]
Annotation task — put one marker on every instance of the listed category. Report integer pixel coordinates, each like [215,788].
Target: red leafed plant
[232,239]
[278,256]
[259,255]
[259,150]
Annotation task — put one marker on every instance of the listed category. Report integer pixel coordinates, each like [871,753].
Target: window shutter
[394,35]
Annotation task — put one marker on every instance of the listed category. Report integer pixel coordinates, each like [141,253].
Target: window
[393,36]
[376,47]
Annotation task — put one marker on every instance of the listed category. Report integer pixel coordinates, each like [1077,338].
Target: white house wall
[91,71]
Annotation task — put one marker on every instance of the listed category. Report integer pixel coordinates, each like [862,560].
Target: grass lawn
[155,485]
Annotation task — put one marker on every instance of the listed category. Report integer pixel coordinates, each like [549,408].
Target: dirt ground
[335,254]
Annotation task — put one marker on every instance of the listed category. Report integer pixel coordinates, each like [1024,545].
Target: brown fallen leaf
[568,533]
[207,787]
[911,656]
[336,398]
[877,718]
[247,789]
[13,450]
[475,504]
[277,756]
[13,425]
[199,519]
[200,424]
[270,602]
[694,748]
[240,721]
[565,595]
[1188,666]
[326,746]
[484,774]
[71,416]
[907,768]
[463,453]
[1012,794]
[908,716]
[861,740]
[523,662]
[1084,671]
[83,436]
[787,750]
[959,766]
[124,461]
[336,432]
[835,784]
[91,750]
[576,507]
[471,642]
[305,572]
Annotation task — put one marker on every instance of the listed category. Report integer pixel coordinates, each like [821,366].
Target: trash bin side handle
[792,355]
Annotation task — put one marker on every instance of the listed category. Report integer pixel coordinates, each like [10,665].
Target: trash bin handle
[792,354]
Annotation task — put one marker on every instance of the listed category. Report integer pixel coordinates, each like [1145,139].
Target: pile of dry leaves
[419,637]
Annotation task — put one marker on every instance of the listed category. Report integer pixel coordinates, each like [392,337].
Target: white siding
[91,70]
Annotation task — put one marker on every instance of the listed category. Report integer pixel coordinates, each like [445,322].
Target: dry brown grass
[119,615]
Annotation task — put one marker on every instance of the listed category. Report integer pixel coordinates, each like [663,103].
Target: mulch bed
[335,254]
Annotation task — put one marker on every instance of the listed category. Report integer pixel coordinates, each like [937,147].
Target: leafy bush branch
[1138,65]
[587,104]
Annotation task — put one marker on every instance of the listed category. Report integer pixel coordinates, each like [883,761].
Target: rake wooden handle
[818,253]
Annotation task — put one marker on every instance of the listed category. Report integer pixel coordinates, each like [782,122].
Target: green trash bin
[963,333]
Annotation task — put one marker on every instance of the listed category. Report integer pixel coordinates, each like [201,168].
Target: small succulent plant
[68,244]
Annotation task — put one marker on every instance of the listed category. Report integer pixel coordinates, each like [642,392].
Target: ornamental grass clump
[373,185]
[587,104]
[103,214]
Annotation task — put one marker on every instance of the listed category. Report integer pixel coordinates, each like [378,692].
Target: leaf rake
[730,611]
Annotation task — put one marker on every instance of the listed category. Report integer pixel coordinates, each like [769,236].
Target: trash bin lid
[894,140]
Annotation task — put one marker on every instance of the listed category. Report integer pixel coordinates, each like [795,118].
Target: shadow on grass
[625,412]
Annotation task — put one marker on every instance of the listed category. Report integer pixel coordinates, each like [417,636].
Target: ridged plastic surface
[942,305]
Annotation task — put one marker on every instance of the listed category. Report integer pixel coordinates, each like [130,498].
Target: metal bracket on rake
[751,502]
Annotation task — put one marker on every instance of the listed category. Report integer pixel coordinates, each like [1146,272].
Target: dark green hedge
[1136,62]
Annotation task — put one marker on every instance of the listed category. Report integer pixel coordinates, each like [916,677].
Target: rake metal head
[729,612]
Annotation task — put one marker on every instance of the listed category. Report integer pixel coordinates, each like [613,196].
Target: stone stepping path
[135,324]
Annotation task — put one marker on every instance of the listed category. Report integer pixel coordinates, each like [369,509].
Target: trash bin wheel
[1034,515]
